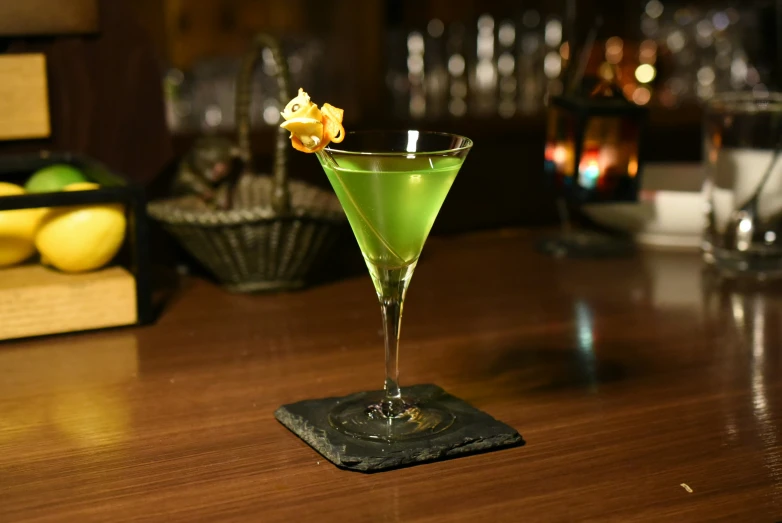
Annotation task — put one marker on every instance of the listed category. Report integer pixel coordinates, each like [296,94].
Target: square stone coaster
[473,431]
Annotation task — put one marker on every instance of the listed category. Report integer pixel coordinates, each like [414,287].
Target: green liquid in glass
[392,202]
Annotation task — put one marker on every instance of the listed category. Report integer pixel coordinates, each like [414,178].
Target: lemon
[83,238]
[53,178]
[17,229]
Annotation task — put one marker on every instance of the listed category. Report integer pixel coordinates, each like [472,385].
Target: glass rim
[746,101]
[468,143]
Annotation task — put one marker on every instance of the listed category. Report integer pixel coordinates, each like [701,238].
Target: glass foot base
[757,264]
[368,418]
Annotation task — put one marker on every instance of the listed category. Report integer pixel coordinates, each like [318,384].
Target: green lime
[54,178]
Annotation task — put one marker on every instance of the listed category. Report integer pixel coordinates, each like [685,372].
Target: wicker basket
[276,229]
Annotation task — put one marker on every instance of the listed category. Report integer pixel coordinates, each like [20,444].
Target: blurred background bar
[481,68]
[442,60]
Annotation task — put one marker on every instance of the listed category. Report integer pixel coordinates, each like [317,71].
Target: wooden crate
[35,300]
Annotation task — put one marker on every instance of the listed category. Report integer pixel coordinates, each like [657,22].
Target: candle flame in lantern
[560,155]
[589,170]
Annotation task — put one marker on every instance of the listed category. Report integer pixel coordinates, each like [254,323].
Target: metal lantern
[594,144]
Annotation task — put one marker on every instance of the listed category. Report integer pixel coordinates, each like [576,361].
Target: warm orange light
[560,154]
[642,95]
[648,52]
[606,71]
[607,158]
[614,58]
[548,154]
[614,47]
[632,167]
[614,44]
[564,51]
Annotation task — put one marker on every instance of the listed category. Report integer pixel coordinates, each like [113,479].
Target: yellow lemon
[82,238]
[17,229]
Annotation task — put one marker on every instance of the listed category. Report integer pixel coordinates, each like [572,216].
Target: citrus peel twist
[311,128]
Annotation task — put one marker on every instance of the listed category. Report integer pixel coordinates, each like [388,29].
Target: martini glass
[391,186]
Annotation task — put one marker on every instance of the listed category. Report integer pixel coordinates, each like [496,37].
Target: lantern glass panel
[608,160]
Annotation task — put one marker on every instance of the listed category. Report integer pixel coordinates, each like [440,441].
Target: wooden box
[24,98]
[36,300]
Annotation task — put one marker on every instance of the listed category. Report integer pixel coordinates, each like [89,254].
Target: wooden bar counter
[644,393]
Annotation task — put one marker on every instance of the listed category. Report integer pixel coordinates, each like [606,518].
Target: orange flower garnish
[311,128]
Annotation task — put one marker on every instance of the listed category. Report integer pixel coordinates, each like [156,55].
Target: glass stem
[391,286]
[392,322]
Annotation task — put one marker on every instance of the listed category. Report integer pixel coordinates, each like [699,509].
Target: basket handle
[280,189]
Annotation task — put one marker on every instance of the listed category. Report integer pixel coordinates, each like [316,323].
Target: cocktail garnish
[311,128]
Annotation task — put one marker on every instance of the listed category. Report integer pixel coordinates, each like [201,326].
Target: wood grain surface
[645,392]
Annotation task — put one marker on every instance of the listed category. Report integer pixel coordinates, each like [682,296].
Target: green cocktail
[392,185]
[392,203]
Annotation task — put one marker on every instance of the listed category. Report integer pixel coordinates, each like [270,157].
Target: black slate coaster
[473,431]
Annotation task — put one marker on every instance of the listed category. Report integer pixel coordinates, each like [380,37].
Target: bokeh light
[507,34]
[456,65]
[720,20]
[564,51]
[647,53]
[530,19]
[642,95]
[614,47]
[676,41]
[435,28]
[606,71]
[552,64]
[654,8]
[415,43]
[645,73]
[553,33]
[506,63]
[706,75]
